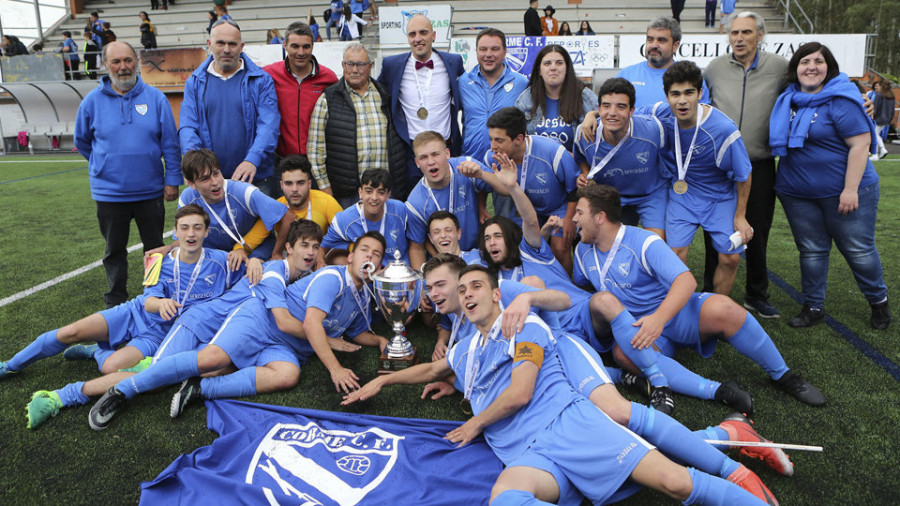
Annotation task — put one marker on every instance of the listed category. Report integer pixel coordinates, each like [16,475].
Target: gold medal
[591,182]
[680,187]
[422,113]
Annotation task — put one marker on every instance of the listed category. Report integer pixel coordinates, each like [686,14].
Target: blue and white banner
[587,53]
[279,455]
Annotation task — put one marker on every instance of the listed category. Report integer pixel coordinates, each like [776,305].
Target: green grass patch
[65,461]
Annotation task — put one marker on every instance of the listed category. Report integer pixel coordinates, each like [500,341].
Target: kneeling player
[137,326]
[534,422]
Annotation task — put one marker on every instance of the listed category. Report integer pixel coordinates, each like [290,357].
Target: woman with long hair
[585,28]
[556,100]
[148,31]
[273,36]
[883,100]
[826,183]
[564,28]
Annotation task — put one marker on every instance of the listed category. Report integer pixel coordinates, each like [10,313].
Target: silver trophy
[397,290]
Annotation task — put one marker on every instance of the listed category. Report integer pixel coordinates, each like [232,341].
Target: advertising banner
[170,68]
[587,53]
[392,23]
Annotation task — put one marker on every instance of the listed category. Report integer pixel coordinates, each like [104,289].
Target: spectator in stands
[424,94]
[127,175]
[96,28]
[314,26]
[532,20]
[549,24]
[299,81]
[884,112]
[677,7]
[273,36]
[349,24]
[148,32]
[222,12]
[744,85]
[70,56]
[91,55]
[37,49]
[555,101]
[357,7]
[663,39]
[825,181]
[12,46]
[727,10]
[337,10]
[564,28]
[351,130]
[487,88]
[212,19]
[230,107]
[108,34]
[585,29]
[154,5]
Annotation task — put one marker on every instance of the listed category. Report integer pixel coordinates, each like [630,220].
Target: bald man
[127,175]
[424,93]
[230,107]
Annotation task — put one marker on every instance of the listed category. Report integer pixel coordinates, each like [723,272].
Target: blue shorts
[649,210]
[128,324]
[687,212]
[250,338]
[577,321]
[683,331]
[582,365]
[204,319]
[596,466]
[178,340]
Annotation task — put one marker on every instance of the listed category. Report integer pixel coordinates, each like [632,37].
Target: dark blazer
[533,23]
[391,76]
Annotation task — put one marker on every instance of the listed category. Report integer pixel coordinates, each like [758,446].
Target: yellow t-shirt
[324,207]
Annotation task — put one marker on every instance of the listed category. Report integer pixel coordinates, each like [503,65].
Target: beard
[125,82]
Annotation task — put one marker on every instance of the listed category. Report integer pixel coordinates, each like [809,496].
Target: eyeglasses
[358,64]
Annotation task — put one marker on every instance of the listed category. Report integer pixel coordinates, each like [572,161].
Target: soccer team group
[521,329]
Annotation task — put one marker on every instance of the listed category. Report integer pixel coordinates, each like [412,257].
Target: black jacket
[533,23]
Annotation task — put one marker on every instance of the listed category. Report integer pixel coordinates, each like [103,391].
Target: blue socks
[170,371]
[239,384]
[46,345]
[71,395]
[753,342]
[678,442]
[623,331]
[710,490]
[684,381]
[715,433]
[515,498]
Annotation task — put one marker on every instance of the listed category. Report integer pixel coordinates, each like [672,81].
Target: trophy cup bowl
[397,290]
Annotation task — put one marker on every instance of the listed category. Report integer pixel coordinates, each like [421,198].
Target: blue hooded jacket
[262,120]
[125,139]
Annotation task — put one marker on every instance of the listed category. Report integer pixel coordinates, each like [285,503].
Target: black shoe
[662,400]
[798,387]
[731,394]
[105,409]
[187,394]
[807,317]
[762,307]
[881,316]
[636,382]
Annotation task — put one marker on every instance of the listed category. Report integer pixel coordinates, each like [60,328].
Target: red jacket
[296,102]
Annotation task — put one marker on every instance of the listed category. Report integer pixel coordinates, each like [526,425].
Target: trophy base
[388,365]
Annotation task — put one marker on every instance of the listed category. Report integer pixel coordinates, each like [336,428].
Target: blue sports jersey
[553,126]
[550,174]
[238,211]
[719,157]
[421,205]
[817,170]
[350,223]
[332,290]
[472,256]
[541,263]
[636,169]
[648,84]
[212,280]
[491,373]
[640,275]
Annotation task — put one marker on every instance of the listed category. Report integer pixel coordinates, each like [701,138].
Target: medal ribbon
[362,302]
[597,167]
[683,165]
[430,72]
[194,274]
[238,238]
[609,257]
[434,199]
[365,225]
[473,365]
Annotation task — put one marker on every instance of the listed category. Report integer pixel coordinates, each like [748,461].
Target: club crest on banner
[407,15]
[141,109]
[320,466]
[517,57]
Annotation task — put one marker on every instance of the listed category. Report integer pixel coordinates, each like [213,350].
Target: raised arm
[505,171]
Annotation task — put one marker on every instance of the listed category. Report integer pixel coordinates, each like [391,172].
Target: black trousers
[677,7]
[115,226]
[760,210]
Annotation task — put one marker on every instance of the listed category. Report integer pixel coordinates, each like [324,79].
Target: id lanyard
[238,238]
[473,365]
[609,257]
[683,166]
[194,274]
[434,199]
[605,160]
[361,302]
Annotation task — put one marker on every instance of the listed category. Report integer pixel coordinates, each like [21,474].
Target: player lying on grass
[588,377]
[268,338]
[534,422]
[654,285]
[131,331]
[196,326]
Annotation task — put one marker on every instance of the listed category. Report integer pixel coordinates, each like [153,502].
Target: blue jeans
[332,21]
[815,223]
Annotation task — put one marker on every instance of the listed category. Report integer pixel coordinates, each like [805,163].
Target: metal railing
[789,17]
